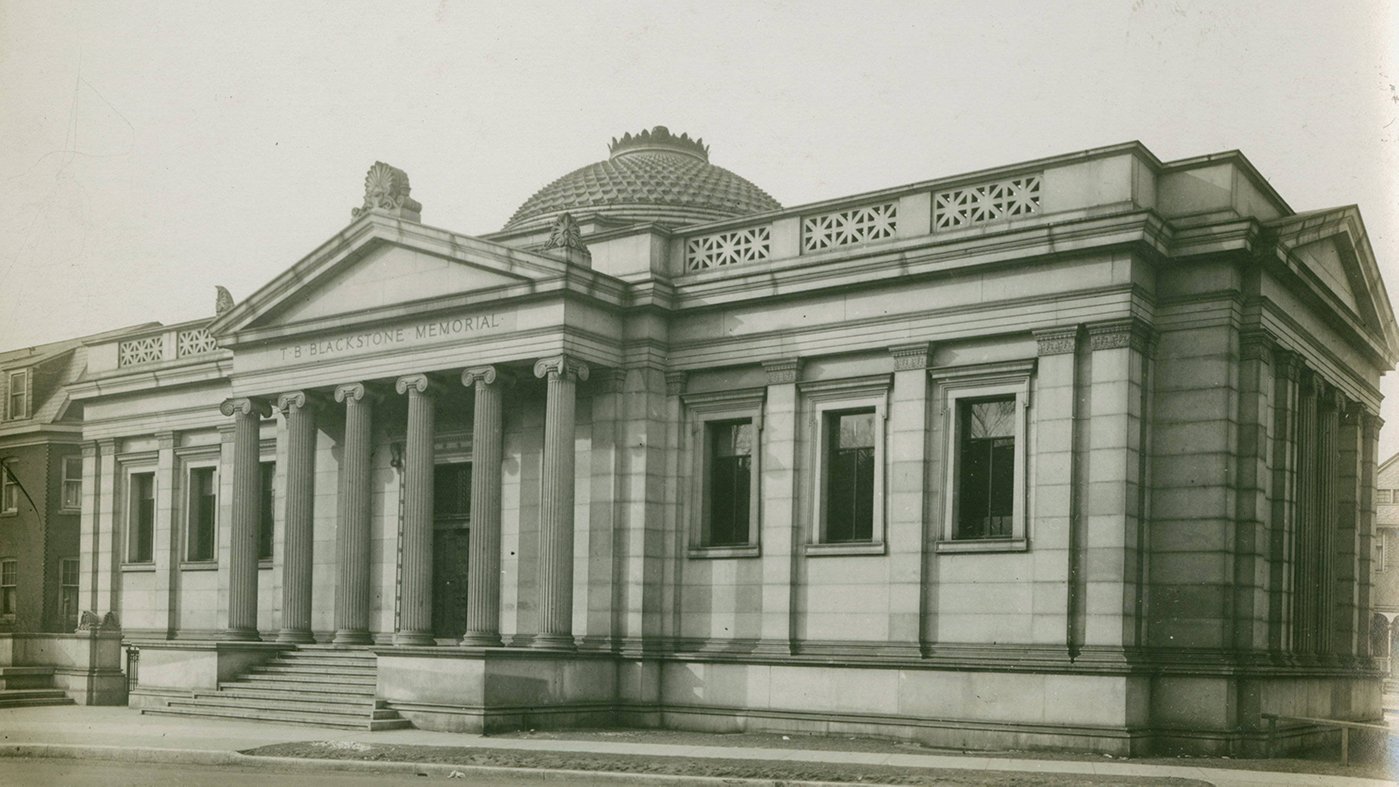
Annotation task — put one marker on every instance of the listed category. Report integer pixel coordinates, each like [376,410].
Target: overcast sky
[149,151]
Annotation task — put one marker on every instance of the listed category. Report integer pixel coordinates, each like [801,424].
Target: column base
[480,640]
[295,637]
[413,638]
[239,635]
[553,642]
[352,637]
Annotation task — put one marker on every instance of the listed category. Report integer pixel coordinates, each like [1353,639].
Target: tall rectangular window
[18,399]
[9,491]
[72,495]
[986,468]
[202,513]
[850,465]
[9,581]
[730,475]
[140,518]
[266,517]
[68,591]
[451,491]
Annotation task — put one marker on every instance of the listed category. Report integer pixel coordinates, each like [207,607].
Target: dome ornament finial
[566,234]
[659,139]
[386,190]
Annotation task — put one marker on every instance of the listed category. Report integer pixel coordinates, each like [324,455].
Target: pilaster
[778,475]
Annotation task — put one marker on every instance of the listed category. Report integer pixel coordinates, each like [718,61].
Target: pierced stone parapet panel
[984,202]
[750,244]
[194,342]
[847,227]
[134,351]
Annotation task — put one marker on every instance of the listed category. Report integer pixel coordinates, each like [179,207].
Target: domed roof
[653,176]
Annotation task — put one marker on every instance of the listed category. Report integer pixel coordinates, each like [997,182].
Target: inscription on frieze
[405,336]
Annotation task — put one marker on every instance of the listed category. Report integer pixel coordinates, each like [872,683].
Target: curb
[238,759]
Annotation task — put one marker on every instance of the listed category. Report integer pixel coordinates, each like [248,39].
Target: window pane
[986,469]
[266,519]
[730,479]
[451,490]
[141,518]
[202,513]
[850,477]
[9,492]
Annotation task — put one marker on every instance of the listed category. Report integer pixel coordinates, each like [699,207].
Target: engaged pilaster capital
[1062,340]
[353,392]
[1288,363]
[165,440]
[246,405]
[1132,332]
[424,385]
[561,367]
[611,381]
[1373,423]
[294,401]
[912,357]
[485,375]
[1257,345]
[675,383]
[782,371]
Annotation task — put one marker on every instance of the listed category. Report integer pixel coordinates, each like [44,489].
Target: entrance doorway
[451,528]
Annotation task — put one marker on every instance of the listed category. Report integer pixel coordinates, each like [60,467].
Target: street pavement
[124,735]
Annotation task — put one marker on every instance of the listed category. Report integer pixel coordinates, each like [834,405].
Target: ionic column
[247,482]
[415,610]
[556,502]
[352,534]
[299,410]
[483,568]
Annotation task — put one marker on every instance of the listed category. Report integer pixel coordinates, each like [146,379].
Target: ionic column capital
[354,392]
[417,382]
[561,367]
[485,375]
[294,401]
[246,406]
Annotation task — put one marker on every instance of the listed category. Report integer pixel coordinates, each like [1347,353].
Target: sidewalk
[124,734]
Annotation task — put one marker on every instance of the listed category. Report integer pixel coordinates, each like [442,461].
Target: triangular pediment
[1324,259]
[381,263]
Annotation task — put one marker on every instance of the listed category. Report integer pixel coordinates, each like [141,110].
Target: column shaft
[556,503]
[297,529]
[415,611]
[352,534]
[483,569]
[247,486]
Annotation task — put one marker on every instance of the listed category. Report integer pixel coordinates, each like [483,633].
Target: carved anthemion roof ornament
[223,300]
[386,189]
[566,234]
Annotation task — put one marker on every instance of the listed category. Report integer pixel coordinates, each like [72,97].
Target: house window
[725,446]
[849,479]
[72,499]
[18,397]
[202,513]
[265,518]
[986,468]
[141,518]
[729,496]
[9,580]
[451,490]
[985,422]
[68,591]
[845,439]
[1379,556]
[1384,497]
[9,490]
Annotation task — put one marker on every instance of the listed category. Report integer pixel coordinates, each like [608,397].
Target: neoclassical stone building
[1073,452]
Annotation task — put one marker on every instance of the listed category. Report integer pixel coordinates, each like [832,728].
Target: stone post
[247,483]
[415,618]
[483,568]
[352,535]
[556,502]
[299,410]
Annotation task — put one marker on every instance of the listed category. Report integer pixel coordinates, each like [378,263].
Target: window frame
[75,585]
[189,467]
[9,488]
[954,386]
[267,491]
[67,479]
[10,588]
[128,479]
[702,410]
[819,400]
[10,410]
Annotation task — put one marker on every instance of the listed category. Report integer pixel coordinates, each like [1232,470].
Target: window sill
[138,566]
[983,545]
[845,548]
[719,553]
[70,510]
[199,565]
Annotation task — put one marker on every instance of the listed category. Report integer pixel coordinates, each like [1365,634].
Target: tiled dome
[653,176]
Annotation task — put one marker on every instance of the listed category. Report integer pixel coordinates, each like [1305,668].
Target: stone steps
[28,698]
[26,678]
[314,686]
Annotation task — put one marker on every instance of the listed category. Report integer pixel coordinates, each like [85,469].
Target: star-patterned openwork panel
[847,227]
[750,244]
[134,351]
[984,202]
[194,342]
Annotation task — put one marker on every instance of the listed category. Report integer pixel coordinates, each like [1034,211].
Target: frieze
[384,338]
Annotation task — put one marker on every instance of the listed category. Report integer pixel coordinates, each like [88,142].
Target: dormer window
[17,396]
